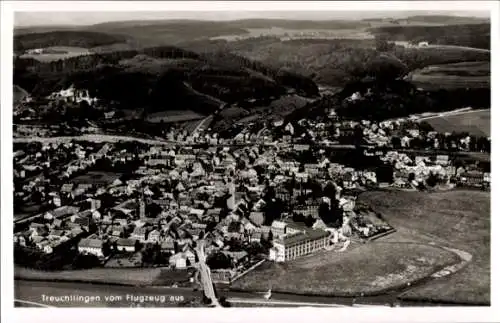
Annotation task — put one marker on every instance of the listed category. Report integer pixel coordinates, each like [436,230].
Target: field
[455,219]
[60,52]
[461,75]
[476,123]
[366,269]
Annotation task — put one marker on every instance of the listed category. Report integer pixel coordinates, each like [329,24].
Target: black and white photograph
[244,158]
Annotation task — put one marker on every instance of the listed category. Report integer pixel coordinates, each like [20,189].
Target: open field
[457,75]
[476,123]
[455,219]
[366,269]
[59,52]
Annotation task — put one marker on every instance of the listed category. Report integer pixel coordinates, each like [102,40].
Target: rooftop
[309,235]
[90,243]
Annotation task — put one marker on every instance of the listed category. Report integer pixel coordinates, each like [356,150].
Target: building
[91,246]
[298,244]
[278,229]
[139,233]
[472,178]
[127,245]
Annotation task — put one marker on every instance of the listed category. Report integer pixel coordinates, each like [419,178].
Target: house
[154,236]
[178,261]
[127,245]
[139,233]
[237,257]
[168,246]
[191,258]
[442,160]
[91,246]
[257,218]
[472,178]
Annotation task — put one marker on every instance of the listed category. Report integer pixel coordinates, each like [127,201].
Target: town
[269,195]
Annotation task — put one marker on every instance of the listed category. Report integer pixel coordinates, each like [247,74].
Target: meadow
[457,75]
[454,219]
[476,123]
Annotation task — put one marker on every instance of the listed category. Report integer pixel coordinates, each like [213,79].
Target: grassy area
[457,75]
[127,276]
[367,269]
[456,219]
[476,123]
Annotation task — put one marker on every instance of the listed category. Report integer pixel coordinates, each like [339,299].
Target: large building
[91,246]
[298,244]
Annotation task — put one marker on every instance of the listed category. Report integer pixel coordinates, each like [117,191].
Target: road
[205,275]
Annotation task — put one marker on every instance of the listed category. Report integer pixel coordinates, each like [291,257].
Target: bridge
[205,275]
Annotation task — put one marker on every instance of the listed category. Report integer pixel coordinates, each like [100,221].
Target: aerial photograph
[251,159]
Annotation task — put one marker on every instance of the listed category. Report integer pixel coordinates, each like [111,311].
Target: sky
[46,18]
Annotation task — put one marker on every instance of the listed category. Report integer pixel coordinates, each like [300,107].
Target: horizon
[47,19]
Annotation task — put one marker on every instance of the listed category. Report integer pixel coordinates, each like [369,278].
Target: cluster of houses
[179,194]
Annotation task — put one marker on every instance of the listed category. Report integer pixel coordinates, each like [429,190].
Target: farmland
[456,219]
[476,123]
[459,75]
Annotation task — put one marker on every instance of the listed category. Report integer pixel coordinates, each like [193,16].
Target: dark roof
[90,243]
[125,242]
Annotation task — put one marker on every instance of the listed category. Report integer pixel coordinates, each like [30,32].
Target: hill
[336,62]
[70,38]
[162,78]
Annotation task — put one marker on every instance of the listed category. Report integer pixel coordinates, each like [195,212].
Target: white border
[232,314]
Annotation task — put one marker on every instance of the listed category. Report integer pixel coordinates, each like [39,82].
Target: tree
[411,177]
[106,249]
[385,173]
[425,126]
[219,261]
[432,180]
[396,142]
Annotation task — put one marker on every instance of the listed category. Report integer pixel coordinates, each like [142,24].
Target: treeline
[473,35]
[397,98]
[385,99]
[84,39]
